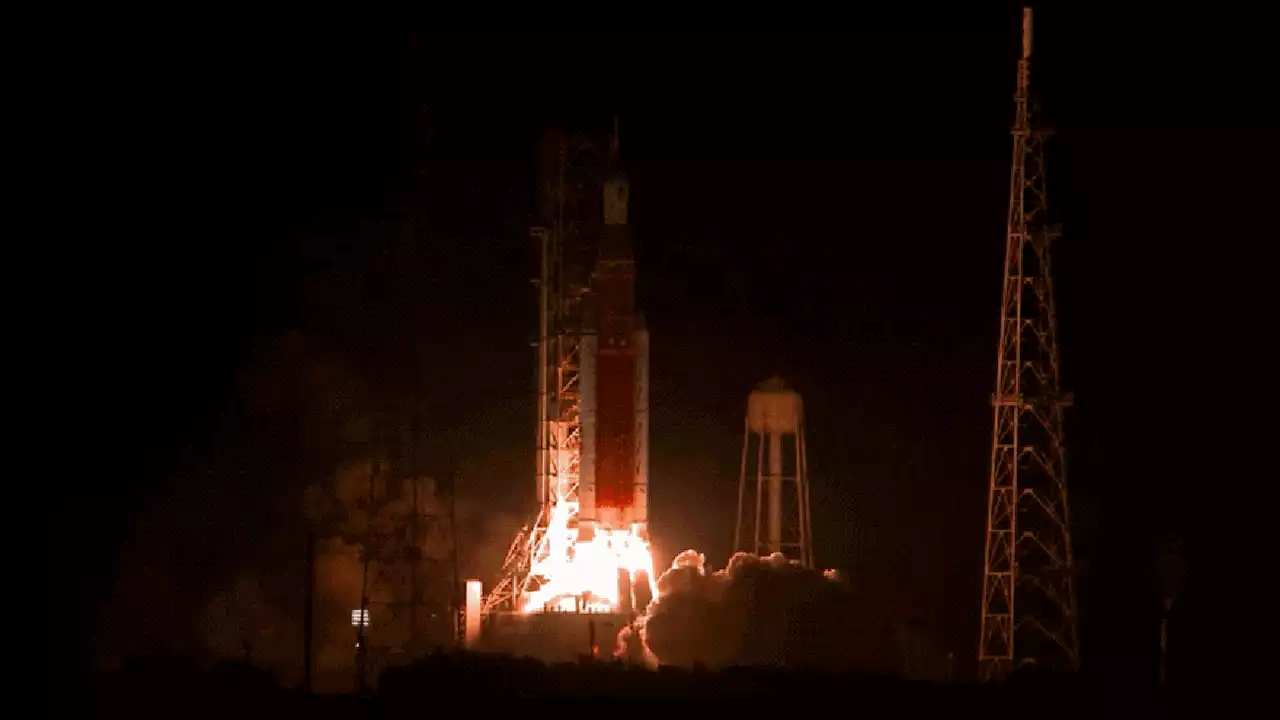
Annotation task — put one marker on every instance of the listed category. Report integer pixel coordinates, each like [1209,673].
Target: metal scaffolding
[571,174]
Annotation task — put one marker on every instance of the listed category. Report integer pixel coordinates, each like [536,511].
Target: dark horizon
[831,211]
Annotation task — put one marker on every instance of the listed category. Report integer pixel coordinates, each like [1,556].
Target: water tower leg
[775,492]
[742,486]
[755,547]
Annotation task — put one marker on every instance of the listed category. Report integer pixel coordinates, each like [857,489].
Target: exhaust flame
[579,571]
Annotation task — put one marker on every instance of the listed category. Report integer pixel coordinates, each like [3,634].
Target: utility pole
[362,640]
[1028,587]
[415,547]
[1173,573]
[455,607]
[308,614]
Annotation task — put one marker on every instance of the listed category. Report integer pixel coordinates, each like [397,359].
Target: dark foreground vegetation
[469,684]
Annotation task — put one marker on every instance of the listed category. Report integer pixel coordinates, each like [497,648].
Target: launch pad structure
[592,378]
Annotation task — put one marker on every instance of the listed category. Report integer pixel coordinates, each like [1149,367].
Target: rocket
[614,375]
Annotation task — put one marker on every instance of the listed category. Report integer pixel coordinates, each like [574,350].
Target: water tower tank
[774,407]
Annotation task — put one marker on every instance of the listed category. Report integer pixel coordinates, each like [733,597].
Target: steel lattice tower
[570,175]
[1028,592]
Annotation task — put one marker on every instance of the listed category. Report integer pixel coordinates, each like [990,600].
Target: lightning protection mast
[1028,592]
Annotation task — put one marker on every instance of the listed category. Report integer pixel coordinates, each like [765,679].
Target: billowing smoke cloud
[484,536]
[758,612]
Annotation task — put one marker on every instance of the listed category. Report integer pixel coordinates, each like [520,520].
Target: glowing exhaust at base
[588,548]
[584,572]
[595,555]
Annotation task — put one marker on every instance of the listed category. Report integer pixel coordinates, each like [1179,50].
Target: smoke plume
[758,611]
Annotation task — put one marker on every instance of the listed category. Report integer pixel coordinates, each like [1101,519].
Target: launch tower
[775,420]
[1028,592]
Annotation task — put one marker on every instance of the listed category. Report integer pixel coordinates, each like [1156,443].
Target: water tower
[773,452]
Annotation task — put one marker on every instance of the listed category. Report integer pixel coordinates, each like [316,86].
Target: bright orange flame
[571,567]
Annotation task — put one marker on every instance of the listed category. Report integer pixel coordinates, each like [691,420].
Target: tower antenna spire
[1028,586]
[1026,33]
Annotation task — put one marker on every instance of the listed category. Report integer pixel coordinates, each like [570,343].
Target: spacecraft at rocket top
[614,469]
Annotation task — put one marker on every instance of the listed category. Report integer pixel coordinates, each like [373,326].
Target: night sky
[826,208]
